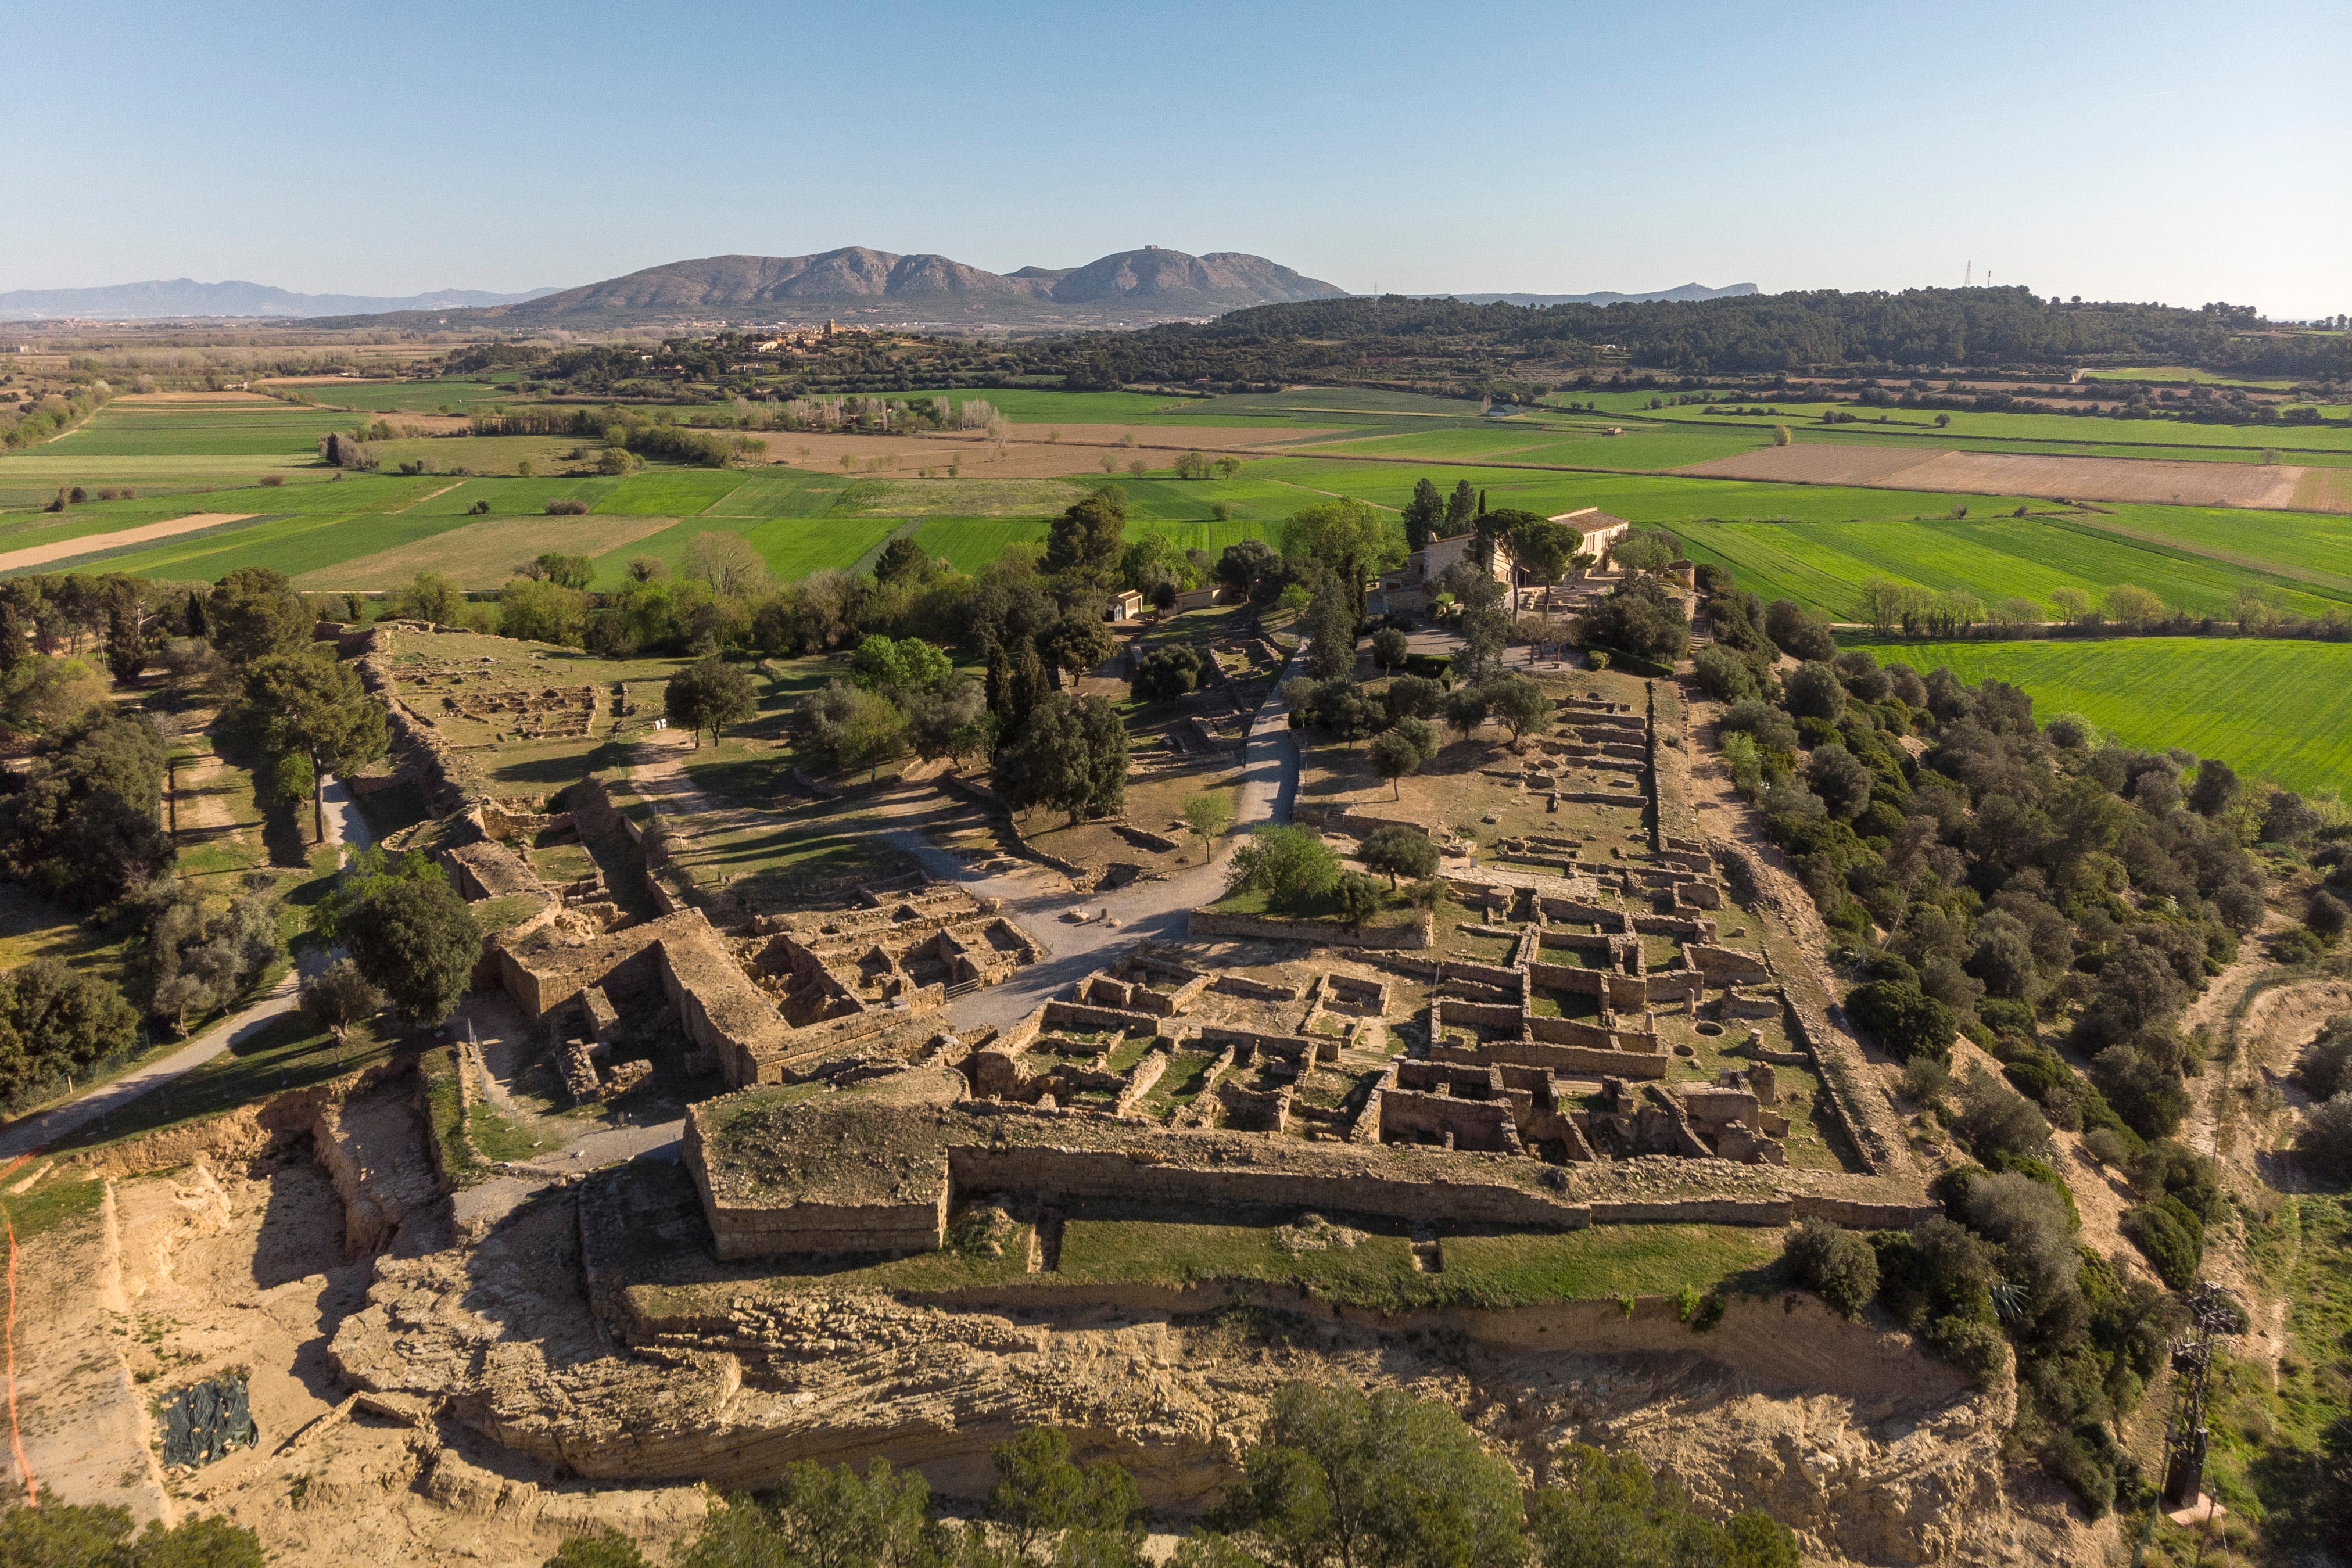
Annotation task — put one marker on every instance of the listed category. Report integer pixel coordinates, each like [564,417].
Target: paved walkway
[1141,909]
[345,826]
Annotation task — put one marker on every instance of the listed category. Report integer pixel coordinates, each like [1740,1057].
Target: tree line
[2026,886]
[81,821]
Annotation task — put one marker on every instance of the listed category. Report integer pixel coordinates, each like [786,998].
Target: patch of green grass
[2269,709]
[58,1200]
[445,1119]
[971,543]
[780,493]
[287,1051]
[1605,1261]
[508,498]
[793,546]
[2276,1443]
[168,431]
[958,498]
[670,492]
[410,397]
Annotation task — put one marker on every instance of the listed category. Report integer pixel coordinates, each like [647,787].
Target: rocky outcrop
[1872,1451]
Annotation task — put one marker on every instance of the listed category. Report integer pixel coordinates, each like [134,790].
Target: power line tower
[2212,1313]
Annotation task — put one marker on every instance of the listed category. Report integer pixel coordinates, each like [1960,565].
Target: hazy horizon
[2114,152]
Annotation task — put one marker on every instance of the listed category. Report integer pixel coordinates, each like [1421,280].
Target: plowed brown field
[1029,455]
[2274,486]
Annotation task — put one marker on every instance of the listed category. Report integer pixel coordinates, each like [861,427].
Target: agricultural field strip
[2146,433]
[2276,709]
[1824,564]
[67,548]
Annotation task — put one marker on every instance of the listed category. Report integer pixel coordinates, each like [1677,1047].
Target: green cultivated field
[971,543]
[1824,564]
[166,431]
[2281,710]
[410,397]
[2122,437]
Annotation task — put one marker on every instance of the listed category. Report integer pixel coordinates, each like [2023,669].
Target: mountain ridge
[159,298]
[1151,282]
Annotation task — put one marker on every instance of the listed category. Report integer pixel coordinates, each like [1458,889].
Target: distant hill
[186,296]
[1688,291]
[855,285]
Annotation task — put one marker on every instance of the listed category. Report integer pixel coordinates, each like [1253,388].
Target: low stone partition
[1587,1060]
[1417,933]
[1726,967]
[1858,1215]
[1606,1035]
[1511,1016]
[1080,1015]
[1250,1044]
[1244,986]
[1410,1115]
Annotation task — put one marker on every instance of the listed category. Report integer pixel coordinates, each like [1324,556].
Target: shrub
[1771,727]
[2325,1141]
[1725,676]
[1841,779]
[1924,1081]
[1996,1120]
[2172,1238]
[1904,1021]
[1289,865]
[2146,1094]
[1836,1264]
[2106,1146]
[1797,632]
[1356,897]
[1815,691]
[567,508]
[2326,1068]
[1976,1347]
[1167,673]
[2325,916]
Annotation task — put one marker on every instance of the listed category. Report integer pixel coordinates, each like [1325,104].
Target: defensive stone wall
[1076,1173]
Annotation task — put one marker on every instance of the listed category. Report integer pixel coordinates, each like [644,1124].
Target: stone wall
[744,1230]
[1076,1173]
[1419,933]
[1582,1059]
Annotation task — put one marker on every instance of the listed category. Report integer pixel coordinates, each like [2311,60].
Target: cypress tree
[1460,507]
[1421,514]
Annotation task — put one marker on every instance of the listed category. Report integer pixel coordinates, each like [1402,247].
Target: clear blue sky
[2139,151]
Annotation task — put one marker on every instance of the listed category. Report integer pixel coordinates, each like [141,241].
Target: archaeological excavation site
[871,1122]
